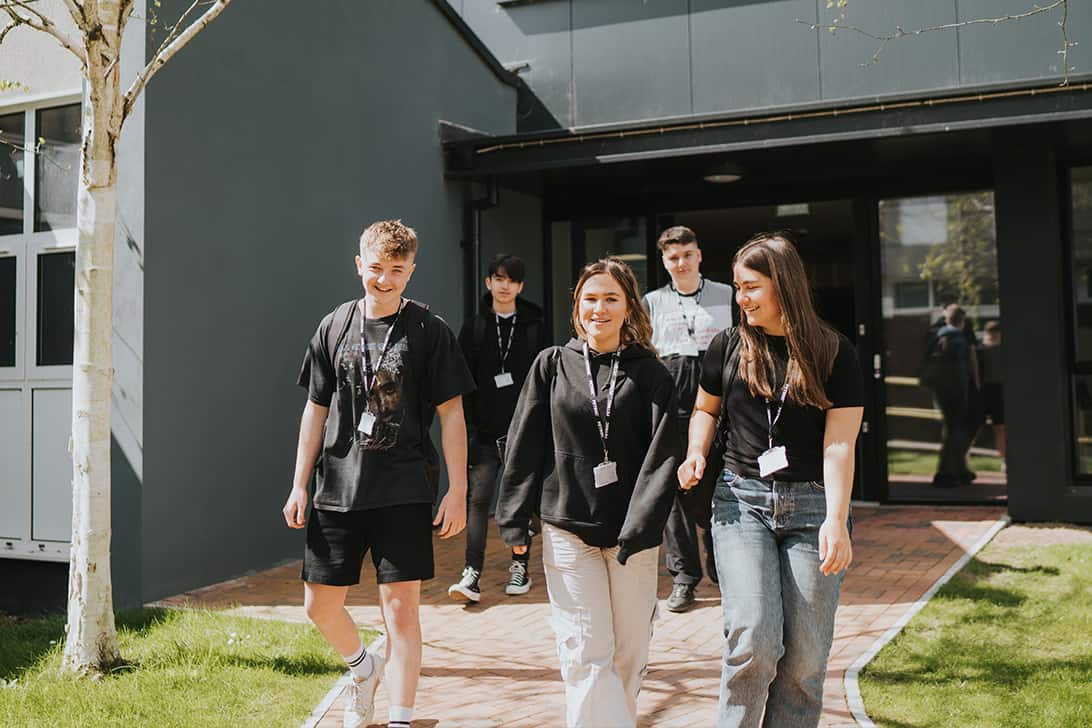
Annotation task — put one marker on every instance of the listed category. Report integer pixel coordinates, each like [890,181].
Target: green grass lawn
[1007,642]
[919,462]
[186,669]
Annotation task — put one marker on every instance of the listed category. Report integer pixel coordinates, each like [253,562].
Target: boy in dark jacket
[499,345]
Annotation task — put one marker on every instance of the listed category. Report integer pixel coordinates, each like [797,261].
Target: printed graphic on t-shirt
[674,317]
[384,400]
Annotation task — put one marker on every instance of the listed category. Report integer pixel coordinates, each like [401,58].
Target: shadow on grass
[26,643]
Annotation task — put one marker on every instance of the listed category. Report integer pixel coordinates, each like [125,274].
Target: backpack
[939,370]
[698,501]
[414,317]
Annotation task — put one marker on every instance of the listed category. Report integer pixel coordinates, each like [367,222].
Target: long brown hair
[636,329]
[812,343]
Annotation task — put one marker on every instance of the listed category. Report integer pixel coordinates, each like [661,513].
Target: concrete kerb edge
[853,690]
[321,709]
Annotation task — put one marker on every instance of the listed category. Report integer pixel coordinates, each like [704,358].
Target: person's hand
[835,547]
[451,516]
[295,508]
[690,471]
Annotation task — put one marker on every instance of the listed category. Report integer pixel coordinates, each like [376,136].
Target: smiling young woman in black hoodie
[592,449]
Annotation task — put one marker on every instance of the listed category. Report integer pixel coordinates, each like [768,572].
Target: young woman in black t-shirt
[781,507]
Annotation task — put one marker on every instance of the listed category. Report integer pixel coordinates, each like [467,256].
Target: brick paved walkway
[494,664]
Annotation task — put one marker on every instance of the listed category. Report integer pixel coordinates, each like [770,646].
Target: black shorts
[399,537]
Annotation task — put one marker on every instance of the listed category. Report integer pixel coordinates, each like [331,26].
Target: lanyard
[505,348]
[771,418]
[604,428]
[691,323]
[370,374]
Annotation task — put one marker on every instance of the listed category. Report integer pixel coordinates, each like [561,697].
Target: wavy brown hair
[812,343]
[636,329]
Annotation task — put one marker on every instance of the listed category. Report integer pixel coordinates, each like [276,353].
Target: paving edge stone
[852,688]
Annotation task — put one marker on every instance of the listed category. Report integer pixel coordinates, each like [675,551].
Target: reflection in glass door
[943,375]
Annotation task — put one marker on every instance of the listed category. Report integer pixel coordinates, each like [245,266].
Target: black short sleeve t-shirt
[421,368]
[800,429]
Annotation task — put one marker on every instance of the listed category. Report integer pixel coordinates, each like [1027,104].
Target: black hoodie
[488,409]
[553,447]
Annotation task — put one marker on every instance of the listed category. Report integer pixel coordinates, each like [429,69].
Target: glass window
[1081,222]
[911,294]
[11,174]
[56,308]
[7,312]
[938,251]
[1082,397]
[57,169]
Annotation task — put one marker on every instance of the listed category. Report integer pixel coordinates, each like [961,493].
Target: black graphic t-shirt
[388,467]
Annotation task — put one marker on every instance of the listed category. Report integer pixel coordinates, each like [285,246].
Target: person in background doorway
[992,369]
[686,314]
[499,345]
[954,383]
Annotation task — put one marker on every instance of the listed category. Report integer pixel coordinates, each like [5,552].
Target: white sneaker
[360,696]
[466,589]
[519,581]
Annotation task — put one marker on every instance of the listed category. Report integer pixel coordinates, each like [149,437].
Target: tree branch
[884,38]
[76,11]
[165,53]
[40,22]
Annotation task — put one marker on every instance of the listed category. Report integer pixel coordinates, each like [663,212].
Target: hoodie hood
[526,312]
[630,352]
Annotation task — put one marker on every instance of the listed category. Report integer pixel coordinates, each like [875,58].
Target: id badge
[504,379]
[688,349]
[367,423]
[606,473]
[773,460]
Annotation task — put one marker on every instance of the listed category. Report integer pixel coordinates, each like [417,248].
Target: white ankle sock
[360,663]
[399,716]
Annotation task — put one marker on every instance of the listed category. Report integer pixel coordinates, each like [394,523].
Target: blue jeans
[778,607]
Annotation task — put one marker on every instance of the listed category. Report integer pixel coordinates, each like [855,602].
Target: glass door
[942,375]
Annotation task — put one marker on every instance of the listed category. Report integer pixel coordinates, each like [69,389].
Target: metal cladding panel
[1024,49]
[14,451]
[630,60]
[915,63]
[52,466]
[753,54]
[535,34]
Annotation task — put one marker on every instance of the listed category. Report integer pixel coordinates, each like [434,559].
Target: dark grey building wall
[610,61]
[272,141]
[515,227]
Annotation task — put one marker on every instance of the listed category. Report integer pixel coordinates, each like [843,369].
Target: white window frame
[26,376]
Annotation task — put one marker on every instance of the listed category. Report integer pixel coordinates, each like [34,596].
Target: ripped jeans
[602,614]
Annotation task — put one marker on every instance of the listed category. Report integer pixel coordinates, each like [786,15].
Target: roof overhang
[471,155]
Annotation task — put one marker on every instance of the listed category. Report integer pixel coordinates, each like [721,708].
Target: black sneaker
[466,590]
[519,581]
[681,599]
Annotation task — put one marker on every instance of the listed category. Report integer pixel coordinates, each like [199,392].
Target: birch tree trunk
[91,644]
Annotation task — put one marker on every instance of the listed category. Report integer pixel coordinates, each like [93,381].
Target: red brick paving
[494,664]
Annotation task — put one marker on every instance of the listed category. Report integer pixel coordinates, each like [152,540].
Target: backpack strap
[339,326]
[479,334]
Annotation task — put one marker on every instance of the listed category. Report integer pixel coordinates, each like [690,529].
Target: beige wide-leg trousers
[602,614]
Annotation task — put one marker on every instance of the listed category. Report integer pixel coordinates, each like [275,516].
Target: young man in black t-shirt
[376,371]
[499,344]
